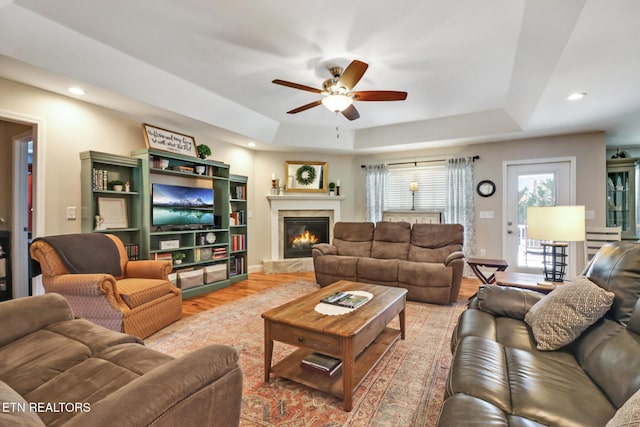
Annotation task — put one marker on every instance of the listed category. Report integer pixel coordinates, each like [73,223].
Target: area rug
[405,388]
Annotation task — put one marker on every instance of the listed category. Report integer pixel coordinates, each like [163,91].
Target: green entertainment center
[207,255]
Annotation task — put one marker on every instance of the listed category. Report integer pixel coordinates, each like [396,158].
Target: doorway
[24,192]
[543,182]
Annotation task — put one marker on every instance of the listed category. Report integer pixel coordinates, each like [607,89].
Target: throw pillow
[560,317]
[629,414]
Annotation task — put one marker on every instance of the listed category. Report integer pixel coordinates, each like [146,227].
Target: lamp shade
[337,103]
[557,223]
[413,186]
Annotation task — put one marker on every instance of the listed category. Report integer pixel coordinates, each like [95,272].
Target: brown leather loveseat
[500,376]
[425,259]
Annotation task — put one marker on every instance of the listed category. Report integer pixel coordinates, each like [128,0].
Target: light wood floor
[258,282]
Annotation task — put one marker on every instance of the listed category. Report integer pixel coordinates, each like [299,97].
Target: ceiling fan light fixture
[337,103]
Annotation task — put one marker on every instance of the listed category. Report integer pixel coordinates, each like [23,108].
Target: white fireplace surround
[300,206]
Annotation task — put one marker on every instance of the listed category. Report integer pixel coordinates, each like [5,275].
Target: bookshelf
[117,207]
[238,227]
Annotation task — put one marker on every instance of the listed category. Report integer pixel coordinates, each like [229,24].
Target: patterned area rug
[404,389]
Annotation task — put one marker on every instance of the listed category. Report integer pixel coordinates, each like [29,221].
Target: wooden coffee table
[359,338]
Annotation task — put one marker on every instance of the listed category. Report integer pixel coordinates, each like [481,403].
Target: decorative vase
[117,187]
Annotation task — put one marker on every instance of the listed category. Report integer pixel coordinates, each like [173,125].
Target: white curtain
[460,205]
[376,182]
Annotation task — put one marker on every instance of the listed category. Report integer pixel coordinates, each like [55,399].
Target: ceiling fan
[337,91]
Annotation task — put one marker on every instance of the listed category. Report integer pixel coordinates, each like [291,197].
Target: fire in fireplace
[301,233]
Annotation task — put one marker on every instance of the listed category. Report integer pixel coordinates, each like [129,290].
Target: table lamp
[555,226]
[413,187]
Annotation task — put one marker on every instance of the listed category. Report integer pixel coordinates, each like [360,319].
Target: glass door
[532,184]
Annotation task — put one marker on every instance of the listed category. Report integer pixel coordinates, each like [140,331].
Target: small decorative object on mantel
[337,187]
[166,140]
[332,188]
[203,151]
[274,185]
[303,176]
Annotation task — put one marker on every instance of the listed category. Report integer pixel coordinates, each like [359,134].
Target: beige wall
[71,126]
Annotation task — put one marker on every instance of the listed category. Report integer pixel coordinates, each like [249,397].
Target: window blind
[431,194]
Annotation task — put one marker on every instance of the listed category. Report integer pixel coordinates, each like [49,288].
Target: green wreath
[305,174]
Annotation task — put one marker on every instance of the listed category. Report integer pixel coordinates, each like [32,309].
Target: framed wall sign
[166,140]
[302,176]
[113,211]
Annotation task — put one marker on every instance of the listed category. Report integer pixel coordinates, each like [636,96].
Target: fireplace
[301,233]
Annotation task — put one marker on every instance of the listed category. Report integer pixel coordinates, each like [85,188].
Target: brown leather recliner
[499,376]
[139,301]
[425,259]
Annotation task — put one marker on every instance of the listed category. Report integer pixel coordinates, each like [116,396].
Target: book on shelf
[345,299]
[240,192]
[166,256]
[133,251]
[321,363]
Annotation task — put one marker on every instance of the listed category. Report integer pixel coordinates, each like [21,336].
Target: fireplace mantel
[302,202]
[291,197]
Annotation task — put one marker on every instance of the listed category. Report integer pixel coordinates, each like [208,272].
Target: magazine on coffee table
[345,299]
[321,363]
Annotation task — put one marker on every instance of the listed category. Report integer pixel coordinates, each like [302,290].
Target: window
[431,194]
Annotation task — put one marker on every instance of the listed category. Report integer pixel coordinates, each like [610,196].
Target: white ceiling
[474,70]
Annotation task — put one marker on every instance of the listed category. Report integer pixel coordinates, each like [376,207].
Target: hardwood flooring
[258,282]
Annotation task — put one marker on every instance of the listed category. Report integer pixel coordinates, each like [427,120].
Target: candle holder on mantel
[337,190]
[274,187]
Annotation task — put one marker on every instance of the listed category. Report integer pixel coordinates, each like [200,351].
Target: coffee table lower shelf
[290,368]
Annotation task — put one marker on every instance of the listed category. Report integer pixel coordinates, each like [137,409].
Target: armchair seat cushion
[136,292]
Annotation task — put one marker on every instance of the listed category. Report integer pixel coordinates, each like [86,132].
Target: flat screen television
[178,206]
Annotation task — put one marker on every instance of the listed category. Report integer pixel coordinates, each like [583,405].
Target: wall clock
[486,188]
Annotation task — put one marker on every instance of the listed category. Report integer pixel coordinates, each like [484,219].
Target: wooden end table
[359,338]
[525,281]
[498,264]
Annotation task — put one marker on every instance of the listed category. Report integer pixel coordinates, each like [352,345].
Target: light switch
[71,212]
[487,214]
[589,214]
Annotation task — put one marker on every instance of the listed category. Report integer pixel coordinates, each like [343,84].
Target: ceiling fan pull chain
[337,129]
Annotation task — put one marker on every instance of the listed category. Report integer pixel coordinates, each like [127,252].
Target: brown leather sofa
[139,299]
[499,377]
[425,259]
[57,370]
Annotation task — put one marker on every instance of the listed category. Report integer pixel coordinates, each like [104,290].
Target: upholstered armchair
[92,271]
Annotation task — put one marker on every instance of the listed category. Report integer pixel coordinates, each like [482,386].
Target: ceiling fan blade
[296,86]
[305,107]
[379,95]
[351,113]
[354,72]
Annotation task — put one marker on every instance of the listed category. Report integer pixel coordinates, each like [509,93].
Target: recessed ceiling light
[576,96]
[252,145]
[77,91]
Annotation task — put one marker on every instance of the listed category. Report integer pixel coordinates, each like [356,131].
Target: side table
[498,264]
[525,281]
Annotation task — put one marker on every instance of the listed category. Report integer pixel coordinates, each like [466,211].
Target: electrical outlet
[71,212]
[483,252]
